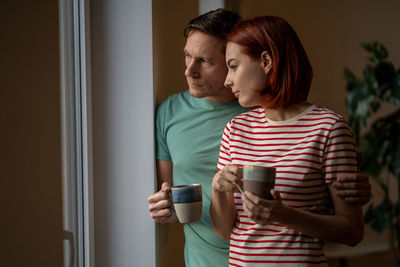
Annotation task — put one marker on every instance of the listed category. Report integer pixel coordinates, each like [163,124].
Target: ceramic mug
[188,202]
[259,180]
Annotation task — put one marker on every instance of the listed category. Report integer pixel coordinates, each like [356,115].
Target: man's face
[205,65]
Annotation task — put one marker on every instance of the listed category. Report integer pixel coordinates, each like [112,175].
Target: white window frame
[77,168]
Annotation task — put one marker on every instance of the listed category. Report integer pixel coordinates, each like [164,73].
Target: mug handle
[172,209]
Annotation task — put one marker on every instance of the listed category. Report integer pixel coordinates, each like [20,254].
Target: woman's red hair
[289,80]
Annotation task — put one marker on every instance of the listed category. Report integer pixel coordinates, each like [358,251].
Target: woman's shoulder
[256,113]
[323,112]
[249,118]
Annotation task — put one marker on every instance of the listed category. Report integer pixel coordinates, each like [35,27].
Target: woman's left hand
[263,211]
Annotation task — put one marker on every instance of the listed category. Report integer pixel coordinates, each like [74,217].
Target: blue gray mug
[187,200]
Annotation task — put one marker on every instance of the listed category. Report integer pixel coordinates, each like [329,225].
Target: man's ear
[266,61]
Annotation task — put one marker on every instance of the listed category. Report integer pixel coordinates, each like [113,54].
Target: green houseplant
[378,136]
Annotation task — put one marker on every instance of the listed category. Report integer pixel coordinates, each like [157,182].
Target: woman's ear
[266,61]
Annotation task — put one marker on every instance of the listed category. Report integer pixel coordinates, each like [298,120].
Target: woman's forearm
[223,213]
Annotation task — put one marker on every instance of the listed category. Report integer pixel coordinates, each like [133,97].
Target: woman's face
[247,76]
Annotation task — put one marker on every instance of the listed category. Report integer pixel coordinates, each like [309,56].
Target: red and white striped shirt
[307,151]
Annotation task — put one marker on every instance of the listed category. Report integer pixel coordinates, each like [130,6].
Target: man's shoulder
[176,97]
[174,100]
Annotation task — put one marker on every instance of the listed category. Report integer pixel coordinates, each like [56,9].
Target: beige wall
[169,19]
[30,183]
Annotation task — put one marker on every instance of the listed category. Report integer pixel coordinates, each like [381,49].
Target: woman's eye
[232,67]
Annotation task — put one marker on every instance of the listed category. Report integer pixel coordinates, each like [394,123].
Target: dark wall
[30,150]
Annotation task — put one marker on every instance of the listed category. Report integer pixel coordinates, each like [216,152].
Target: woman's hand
[263,211]
[226,179]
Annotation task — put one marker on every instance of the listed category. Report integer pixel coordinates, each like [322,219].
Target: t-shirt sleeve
[224,150]
[340,152]
[162,151]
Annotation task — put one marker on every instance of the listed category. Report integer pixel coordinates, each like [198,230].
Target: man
[189,126]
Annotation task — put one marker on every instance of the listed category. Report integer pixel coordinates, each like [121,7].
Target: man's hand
[354,188]
[159,205]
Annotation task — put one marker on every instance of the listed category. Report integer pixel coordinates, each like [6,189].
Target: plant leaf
[397,209]
[350,79]
[380,142]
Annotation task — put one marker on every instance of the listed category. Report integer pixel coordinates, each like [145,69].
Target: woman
[310,147]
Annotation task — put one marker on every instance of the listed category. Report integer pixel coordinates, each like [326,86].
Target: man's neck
[225,97]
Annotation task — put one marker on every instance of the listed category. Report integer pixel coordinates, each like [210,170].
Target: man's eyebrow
[202,58]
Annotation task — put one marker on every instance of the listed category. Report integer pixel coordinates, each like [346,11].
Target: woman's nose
[228,81]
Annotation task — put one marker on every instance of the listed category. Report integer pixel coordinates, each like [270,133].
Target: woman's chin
[245,103]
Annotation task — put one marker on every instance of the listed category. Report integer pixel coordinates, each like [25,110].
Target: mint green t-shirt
[188,133]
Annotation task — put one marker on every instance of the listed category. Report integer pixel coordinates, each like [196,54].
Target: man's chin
[196,93]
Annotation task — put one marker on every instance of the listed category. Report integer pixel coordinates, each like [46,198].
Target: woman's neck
[284,114]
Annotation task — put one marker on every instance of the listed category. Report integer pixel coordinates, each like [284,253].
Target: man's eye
[204,61]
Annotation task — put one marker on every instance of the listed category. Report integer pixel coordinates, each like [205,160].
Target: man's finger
[161,205]
[350,185]
[160,213]
[357,200]
[165,187]
[153,198]
[352,177]
[352,193]
[156,197]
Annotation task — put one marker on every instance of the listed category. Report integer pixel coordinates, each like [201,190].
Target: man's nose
[191,69]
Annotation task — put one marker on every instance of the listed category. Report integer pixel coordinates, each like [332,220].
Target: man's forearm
[332,228]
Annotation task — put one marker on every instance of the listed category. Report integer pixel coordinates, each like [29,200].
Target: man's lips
[194,83]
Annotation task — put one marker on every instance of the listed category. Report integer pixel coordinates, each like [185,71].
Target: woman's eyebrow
[229,61]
